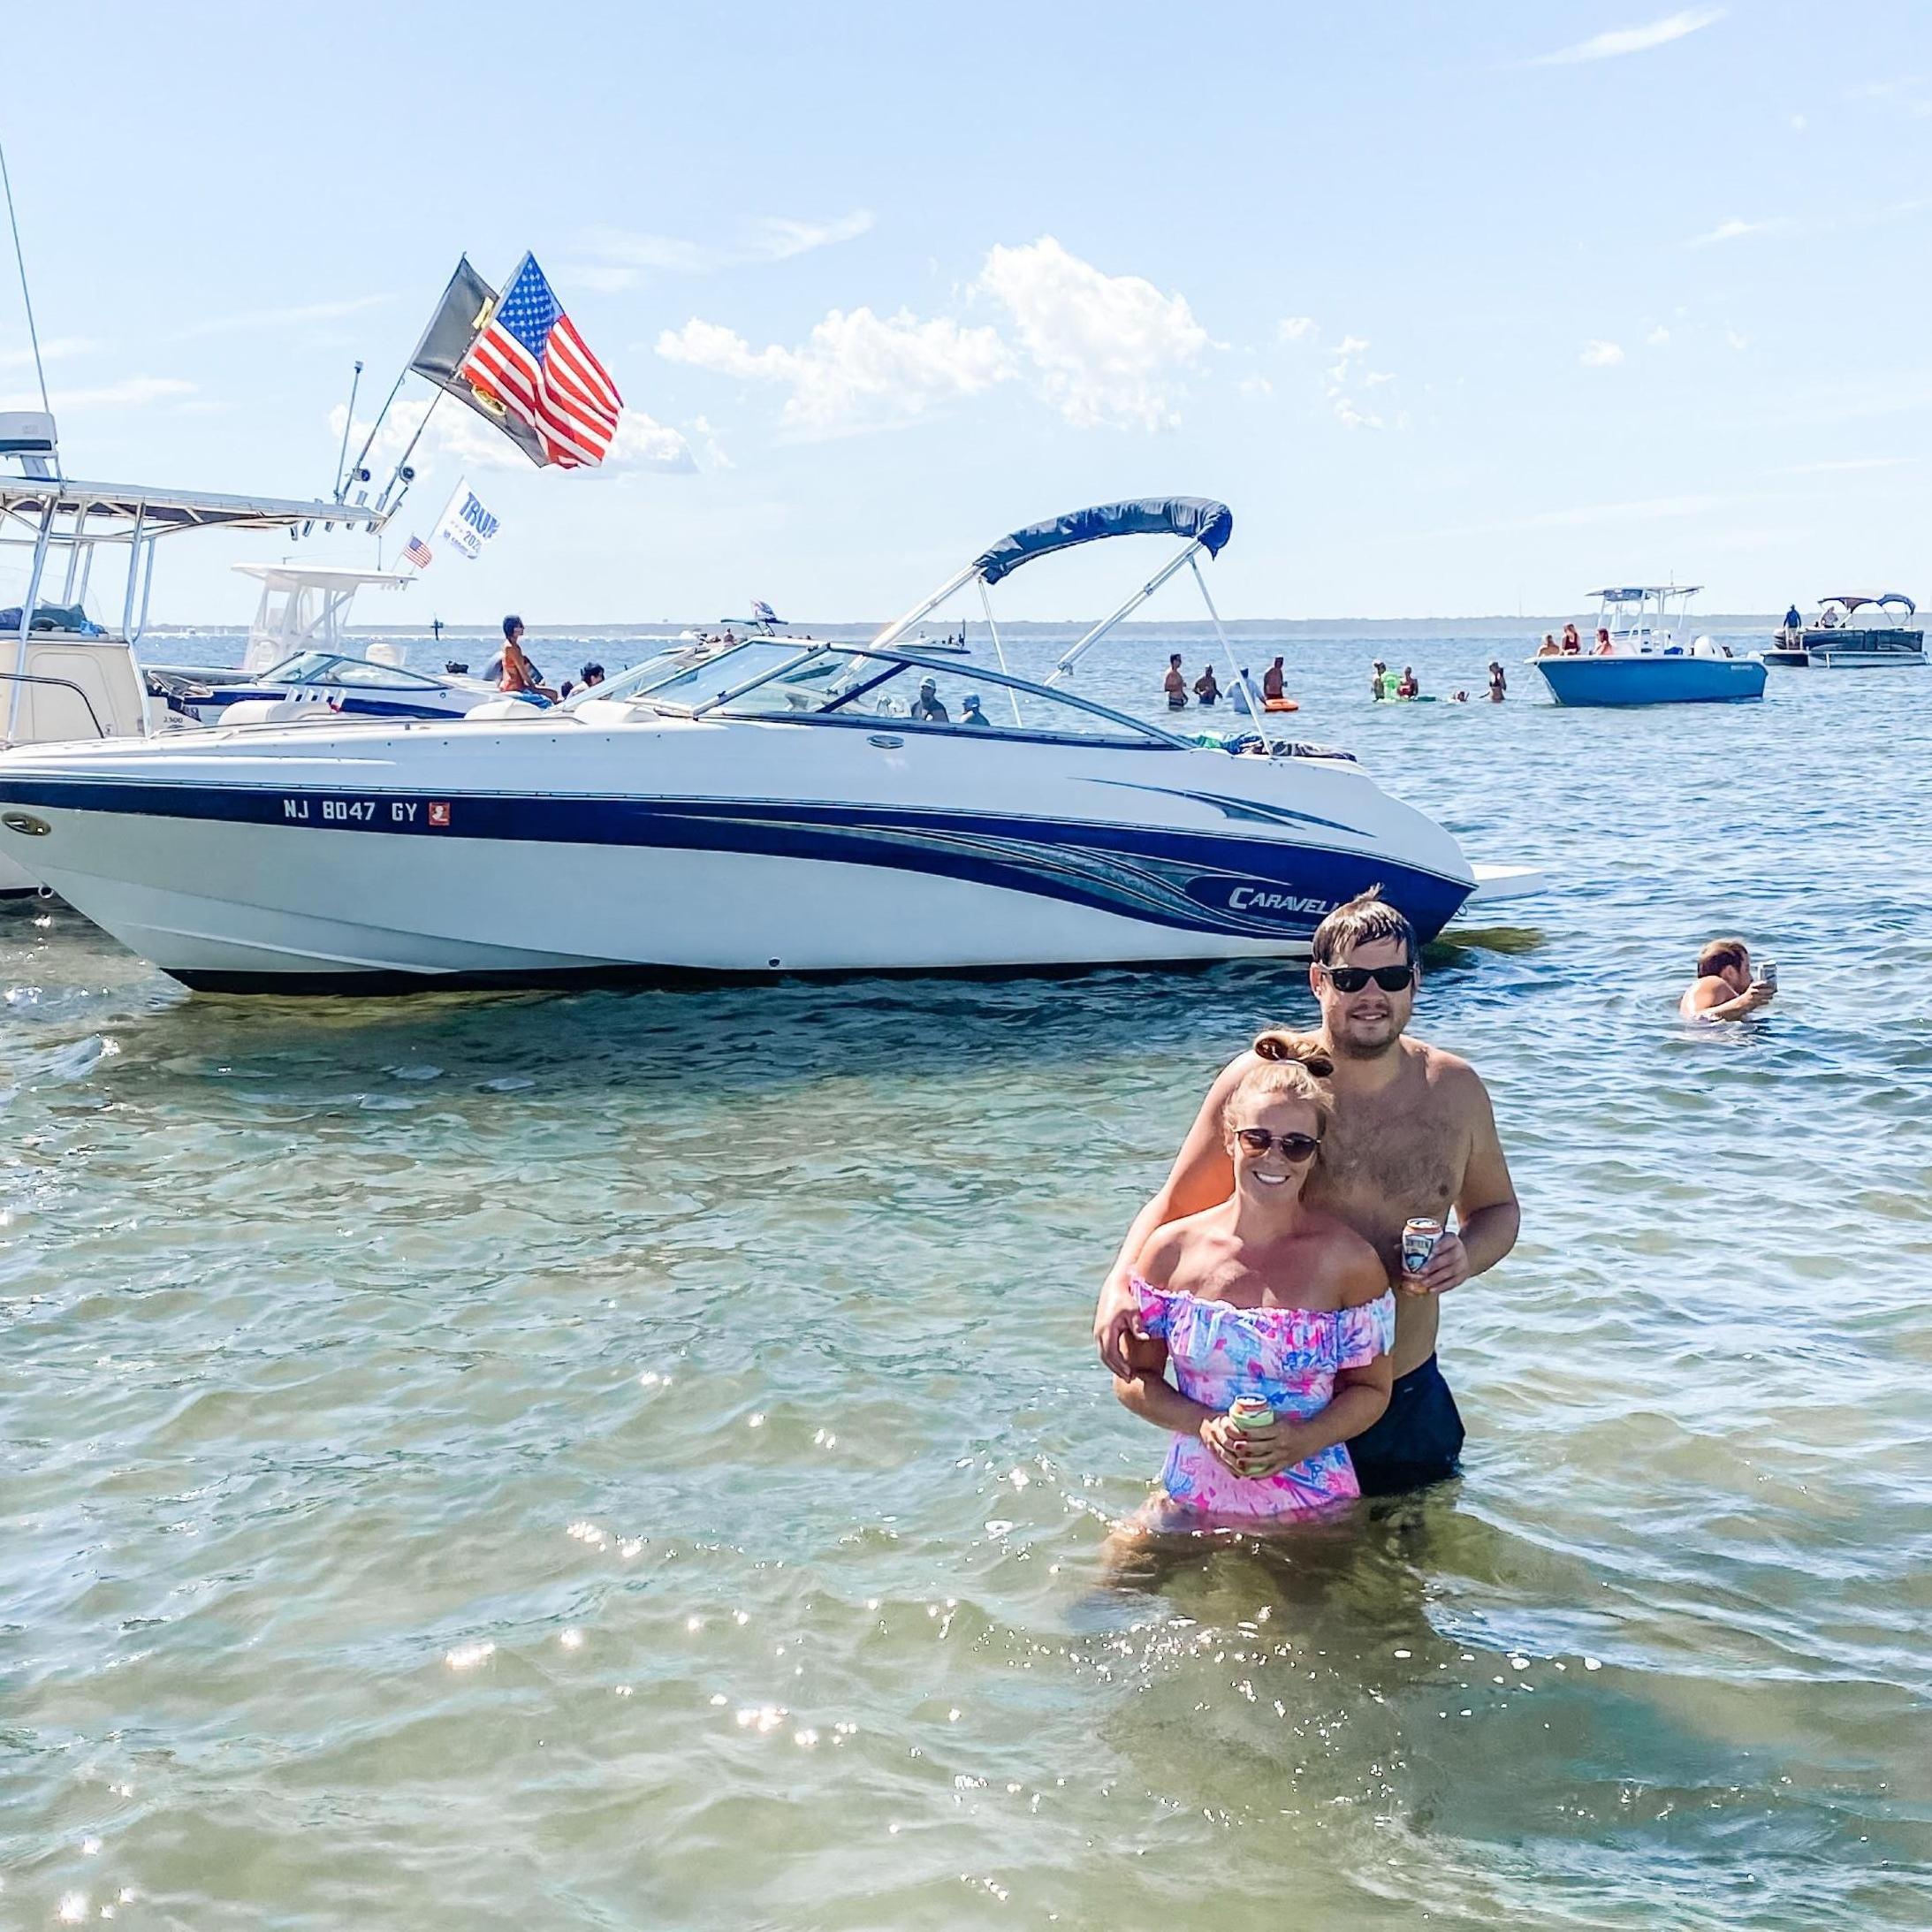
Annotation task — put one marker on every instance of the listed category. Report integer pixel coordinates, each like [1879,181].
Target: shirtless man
[1725,988]
[1413,1134]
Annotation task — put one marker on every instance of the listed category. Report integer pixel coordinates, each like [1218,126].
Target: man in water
[1174,684]
[1207,687]
[1413,1134]
[1376,674]
[1272,684]
[1725,988]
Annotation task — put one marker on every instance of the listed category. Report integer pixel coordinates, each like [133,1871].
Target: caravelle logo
[439,813]
[1248,899]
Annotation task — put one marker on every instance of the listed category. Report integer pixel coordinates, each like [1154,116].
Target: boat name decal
[1248,899]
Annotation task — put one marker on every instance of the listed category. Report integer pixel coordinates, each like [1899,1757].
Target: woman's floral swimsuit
[1288,1357]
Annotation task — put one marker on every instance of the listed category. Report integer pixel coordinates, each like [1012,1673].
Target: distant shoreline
[851,630]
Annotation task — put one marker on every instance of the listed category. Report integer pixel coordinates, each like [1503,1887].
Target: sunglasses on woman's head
[1353,979]
[1295,1147]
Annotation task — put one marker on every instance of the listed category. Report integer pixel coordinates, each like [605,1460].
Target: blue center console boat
[1639,655]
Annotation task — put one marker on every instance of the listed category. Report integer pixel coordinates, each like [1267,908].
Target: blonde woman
[1261,1296]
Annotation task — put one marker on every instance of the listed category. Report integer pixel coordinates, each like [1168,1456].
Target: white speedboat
[788,807]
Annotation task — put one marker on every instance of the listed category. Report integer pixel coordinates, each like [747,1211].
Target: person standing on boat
[1411,1133]
[1794,625]
[1499,685]
[926,708]
[1174,684]
[1273,685]
[1206,689]
[1726,987]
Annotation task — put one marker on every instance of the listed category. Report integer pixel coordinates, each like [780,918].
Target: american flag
[530,358]
[419,553]
[763,612]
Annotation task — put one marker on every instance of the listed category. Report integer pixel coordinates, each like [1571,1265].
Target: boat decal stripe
[1260,888]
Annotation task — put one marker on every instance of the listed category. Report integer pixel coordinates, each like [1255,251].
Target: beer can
[1419,1234]
[1251,1414]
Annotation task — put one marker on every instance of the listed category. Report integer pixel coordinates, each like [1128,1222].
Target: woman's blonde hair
[1291,1065]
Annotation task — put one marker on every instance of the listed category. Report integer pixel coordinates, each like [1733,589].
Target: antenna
[348,422]
[34,334]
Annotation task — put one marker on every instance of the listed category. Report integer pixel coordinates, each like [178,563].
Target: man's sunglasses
[1353,979]
[1295,1147]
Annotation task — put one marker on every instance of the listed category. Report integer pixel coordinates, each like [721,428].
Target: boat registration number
[365,811]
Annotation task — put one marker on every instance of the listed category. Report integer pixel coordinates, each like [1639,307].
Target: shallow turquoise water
[635,1459]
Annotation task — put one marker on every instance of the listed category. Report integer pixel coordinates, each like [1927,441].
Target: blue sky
[1460,308]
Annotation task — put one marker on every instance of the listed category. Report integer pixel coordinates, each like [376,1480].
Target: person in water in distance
[1264,1298]
[1499,685]
[1273,684]
[1174,684]
[1412,1134]
[1725,988]
[1207,687]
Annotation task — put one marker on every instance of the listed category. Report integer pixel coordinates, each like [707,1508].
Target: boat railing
[65,684]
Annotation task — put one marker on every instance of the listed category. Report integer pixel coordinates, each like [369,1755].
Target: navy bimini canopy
[1191,517]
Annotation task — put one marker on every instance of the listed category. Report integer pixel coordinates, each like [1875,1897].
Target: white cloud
[1736,340]
[1255,386]
[1110,348]
[1601,355]
[1831,466]
[1632,40]
[1295,329]
[643,443]
[1343,380]
[52,351]
[278,318]
[618,258]
[1798,124]
[857,369]
[133,393]
[1735,230]
[1658,337]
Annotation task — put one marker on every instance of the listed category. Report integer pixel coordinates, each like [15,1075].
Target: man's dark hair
[512,625]
[1720,956]
[1366,917]
[591,670]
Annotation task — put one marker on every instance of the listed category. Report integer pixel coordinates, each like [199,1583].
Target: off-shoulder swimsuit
[1288,1357]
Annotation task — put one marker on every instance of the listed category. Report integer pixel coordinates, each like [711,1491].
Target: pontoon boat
[1838,640]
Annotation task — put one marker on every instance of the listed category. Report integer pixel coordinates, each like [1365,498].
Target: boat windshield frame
[277,673]
[1127,728]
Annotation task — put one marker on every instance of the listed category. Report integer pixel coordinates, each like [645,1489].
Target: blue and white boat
[1641,656]
[742,815]
[300,655]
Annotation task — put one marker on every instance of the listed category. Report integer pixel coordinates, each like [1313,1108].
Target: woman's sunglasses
[1295,1147]
[1353,979]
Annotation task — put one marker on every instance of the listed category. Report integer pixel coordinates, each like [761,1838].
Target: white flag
[465,525]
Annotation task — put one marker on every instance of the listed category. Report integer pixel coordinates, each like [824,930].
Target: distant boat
[1835,640]
[1646,659]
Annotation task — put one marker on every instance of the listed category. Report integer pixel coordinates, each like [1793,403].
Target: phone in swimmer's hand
[1767,974]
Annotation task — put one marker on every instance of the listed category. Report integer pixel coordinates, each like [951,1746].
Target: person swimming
[1261,1298]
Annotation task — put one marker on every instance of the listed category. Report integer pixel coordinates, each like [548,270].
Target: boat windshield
[671,675]
[329,667]
[865,686]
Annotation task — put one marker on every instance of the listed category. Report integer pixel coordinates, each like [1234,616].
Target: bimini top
[101,507]
[1635,593]
[1196,518]
[1853,600]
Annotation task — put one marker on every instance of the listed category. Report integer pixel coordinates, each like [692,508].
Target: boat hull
[1658,680]
[359,860]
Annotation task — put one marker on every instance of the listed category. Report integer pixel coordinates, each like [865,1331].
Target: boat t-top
[65,674]
[1639,652]
[1855,630]
[785,807]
